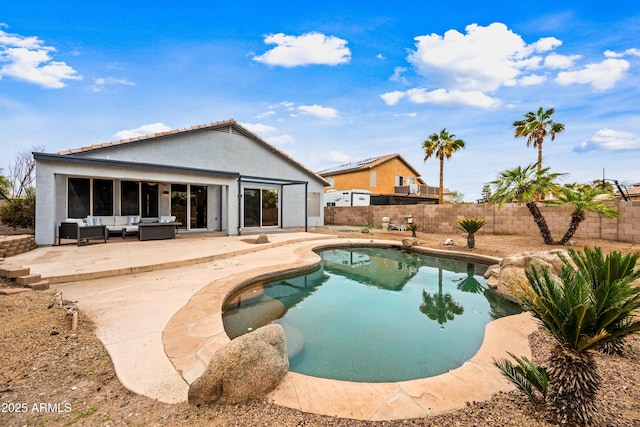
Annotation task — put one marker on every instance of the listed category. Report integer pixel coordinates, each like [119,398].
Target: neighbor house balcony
[418,190]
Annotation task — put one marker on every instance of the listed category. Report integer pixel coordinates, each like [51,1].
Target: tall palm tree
[443,145]
[581,318]
[584,199]
[524,186]
[536,127]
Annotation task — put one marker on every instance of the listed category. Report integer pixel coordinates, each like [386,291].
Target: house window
[129,198]
[149,199]
[399,181]
[411,180]
[313,204]
[102,197]
[373,179]
[79,197]
[261,207]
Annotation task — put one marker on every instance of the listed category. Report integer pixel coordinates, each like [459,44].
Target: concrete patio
[157,307]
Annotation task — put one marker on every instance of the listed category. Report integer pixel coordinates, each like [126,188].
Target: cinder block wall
[14,245]
[509,219]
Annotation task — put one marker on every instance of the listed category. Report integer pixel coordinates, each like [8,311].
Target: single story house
[213,177]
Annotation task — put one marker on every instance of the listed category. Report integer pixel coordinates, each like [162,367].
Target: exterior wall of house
[509,219]
[208,150]
[386,173]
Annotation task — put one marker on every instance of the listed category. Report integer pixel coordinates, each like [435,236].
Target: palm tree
[581,318]
[584,199]
[523,186]
[471,226]
[443,145]
[536,127]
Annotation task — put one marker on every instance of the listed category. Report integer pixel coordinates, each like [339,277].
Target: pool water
[374,314]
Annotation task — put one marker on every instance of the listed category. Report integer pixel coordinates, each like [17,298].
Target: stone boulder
[262,239]
[248,367]
[408,242]
[511,269]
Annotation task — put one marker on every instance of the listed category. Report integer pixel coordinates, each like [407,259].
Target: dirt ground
[52,376]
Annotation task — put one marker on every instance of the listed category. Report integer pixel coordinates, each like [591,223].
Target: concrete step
[11,272]
[42,285]
[28,280]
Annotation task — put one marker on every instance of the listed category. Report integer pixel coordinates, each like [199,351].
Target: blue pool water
[374,314]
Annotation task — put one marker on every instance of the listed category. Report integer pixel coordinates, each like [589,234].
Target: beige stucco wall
[509,219]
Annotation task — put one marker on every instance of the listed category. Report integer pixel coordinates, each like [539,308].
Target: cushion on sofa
[164,218]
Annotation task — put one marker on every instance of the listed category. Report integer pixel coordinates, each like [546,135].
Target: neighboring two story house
[390,179]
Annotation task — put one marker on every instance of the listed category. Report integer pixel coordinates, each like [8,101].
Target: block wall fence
[506,220]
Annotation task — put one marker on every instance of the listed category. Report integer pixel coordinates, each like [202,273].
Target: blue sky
[332,82]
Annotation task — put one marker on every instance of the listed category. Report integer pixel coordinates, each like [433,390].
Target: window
[313,204]
[149,200]
[399,181]
[261,207]
[129,198]
[373,179]
[79,197]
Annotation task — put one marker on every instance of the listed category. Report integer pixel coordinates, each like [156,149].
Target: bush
[19,213]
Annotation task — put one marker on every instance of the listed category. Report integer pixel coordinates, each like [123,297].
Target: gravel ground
[52,376]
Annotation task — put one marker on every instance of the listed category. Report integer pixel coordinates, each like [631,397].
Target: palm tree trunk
[539,156]
[576,219]
[440,198]
[573,387]
[471,241]
[538,218]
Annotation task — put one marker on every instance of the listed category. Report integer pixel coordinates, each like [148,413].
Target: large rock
[248,367]
[511,270]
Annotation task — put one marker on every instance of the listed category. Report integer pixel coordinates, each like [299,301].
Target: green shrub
[20,213]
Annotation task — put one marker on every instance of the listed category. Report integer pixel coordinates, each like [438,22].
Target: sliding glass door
[261,207]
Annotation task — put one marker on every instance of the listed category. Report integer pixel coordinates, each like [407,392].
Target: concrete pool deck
[157,306]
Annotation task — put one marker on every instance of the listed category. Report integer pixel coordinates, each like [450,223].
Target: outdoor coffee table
[157,230]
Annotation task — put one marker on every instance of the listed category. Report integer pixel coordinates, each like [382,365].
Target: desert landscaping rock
[246,368]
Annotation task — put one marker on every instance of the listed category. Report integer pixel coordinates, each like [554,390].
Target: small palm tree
[536,127]
[584,199]
[529,378]
[471,226]
[581,318]
[525,186]
[413,227]
[443,145]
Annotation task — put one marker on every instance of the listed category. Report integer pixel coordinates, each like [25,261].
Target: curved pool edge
[196,331]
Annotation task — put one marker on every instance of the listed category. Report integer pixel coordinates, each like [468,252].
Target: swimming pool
[374,314]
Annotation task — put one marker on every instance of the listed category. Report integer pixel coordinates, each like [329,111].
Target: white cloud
[99,84]
[259,128]
[281,140]
[483,59]
[611,140]
[338,156]
[612,54]
[560,61]
[29,60]
[397,75]
[380,56]
[601,76]
[532,79]
[442,96]
[142,131]
[266,114]
[310,48]
[392,98]
[318,111]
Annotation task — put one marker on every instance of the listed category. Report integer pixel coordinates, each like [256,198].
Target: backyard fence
[507,220]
